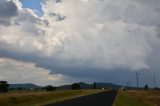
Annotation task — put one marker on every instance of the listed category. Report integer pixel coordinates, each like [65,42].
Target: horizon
[58,42]
[71,84]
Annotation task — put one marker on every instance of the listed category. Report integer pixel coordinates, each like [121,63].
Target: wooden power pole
[154,80]
[137,76]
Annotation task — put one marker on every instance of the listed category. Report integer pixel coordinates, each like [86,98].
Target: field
[37,98]
[32,98]
[138,98]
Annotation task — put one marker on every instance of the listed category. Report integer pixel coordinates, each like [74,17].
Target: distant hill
[64,87]
[82,84]
[107,85]
[90,86]
[24,86]
[85,86]
[67,87]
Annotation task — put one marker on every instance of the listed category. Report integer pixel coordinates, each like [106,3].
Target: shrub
[146,87]
[76,86]
[4,86]
[50,88]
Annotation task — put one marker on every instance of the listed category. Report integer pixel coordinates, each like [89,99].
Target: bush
[50,88]
[146,87]
[76,86]
[156,88]
[4,86]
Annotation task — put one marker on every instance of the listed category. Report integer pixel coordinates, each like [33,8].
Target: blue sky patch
[33,4]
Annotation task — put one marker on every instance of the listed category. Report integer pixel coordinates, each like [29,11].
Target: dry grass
[125,99]
[40,98]
[138,98]
[149,97]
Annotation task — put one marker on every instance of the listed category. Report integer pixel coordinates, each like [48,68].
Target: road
[105,98]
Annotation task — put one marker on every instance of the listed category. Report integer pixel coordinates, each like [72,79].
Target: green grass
[125,99]
[40,98]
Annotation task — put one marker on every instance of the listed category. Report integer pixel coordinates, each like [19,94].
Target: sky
[35,5]
[59,42]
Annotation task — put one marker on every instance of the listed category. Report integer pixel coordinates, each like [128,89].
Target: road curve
[105,98]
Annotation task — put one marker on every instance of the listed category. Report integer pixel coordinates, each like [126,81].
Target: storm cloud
[8,9]
[84,38]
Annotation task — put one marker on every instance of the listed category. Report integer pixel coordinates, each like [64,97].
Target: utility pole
[94,85]
[154,80]
[137,76]
[129,83]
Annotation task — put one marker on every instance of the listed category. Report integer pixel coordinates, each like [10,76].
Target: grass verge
[124,98]
[41,98]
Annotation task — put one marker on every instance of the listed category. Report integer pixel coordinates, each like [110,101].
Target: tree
[4,86]
[50,88]
[76,86]
[94,85]
[146,87]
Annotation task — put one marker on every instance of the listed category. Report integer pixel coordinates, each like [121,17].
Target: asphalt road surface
[105,98]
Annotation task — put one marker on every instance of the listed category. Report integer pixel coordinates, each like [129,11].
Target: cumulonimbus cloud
[85,34]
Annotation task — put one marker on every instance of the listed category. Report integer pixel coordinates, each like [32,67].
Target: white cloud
[103,34]
[21,72]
